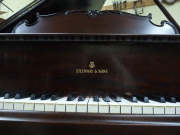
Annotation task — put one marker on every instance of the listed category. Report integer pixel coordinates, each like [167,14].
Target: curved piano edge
[17,25]
[94,13]
[172,25]
[164,22]
[83,123]
[26,23]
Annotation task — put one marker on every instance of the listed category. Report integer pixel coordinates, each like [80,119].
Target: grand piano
[89,72]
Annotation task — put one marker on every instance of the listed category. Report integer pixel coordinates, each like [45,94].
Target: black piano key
[142,98]
[9,95]
[22,95]
[46,96]
[106,98]
[96,98]
[157,98]
[71,97]
[56,96]
[170,99]
[116,98]
[81,97]
[36,96]
[130,98]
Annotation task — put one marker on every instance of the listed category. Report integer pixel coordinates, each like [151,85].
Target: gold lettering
[84,71]
[76,70]
[102,71]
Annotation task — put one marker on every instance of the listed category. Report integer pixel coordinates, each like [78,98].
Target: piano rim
[89,118]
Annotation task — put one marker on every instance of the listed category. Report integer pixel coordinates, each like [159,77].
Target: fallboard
[102,67]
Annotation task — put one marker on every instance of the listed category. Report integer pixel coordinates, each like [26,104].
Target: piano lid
[95,22]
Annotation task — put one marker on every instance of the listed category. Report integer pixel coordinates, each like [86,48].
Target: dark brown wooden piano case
[53,56]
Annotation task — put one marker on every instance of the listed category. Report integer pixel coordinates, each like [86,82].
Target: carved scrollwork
[169,23]
[93,13]
[150,16]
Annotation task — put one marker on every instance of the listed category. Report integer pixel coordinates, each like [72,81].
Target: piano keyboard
[84,104]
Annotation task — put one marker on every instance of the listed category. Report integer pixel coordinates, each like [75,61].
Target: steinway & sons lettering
[91,70]
[99,71]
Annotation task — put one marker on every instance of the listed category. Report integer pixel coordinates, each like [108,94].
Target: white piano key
[114,106]
[19,103]
[103,106]
[177,105]
[61,105]
[39,105]
[136,108]
[8,104]
[147,108]
[1,102]
[29,105]
[158,107]
[93,106]
[51,105]
[71,105]
[82,105]
[170,108]
[125,107]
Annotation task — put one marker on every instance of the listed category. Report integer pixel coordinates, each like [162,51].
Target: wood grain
[144,68]
[43,123]
[88,22]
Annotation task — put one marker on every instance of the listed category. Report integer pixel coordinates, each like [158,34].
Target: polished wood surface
[93,21]
[43,123]
[144,68]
